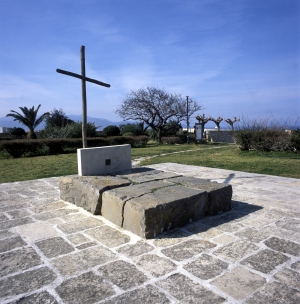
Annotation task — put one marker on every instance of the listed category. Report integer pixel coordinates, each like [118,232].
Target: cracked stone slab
[54,247]
[79,226]
[265,260]
[187,249]
[42,297]
[86,288]
[26,282]
[289,277]
[86,191]
[206,267]
[36,231]
[275,292]
[132,250]
[11,243]
[284,246]
[239,282]
[17,260]
[188,291]
[219,194]
[113,201]
[71,264]
[122,274]
[15,223]
[140,295]
[166,208]
[162,265]
[108,236]
[235,251]
[86,245]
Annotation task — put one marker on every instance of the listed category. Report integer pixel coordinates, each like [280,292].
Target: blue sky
[232,57]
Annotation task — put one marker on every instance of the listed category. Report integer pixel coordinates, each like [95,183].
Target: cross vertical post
[84,107]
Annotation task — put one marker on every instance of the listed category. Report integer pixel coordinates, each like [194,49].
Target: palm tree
[29,119]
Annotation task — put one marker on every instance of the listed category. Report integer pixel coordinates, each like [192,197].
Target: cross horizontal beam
[83,78]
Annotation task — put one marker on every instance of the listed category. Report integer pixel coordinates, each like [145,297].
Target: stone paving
[52,251]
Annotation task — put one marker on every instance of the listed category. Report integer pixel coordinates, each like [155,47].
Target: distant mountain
[9,122]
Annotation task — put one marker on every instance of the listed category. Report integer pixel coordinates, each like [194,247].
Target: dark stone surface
[17,260]
[54,247]
[206,267]
[284,246]
[43,298]
[219,194]
[86,191]
[166,208]
[122,274]
[87,288]
[17,222]
[147,294]
[11,243]
[188,249]
[26,281]
[187,291]
[289,277]
[108,236]
[275,292]
[265,260]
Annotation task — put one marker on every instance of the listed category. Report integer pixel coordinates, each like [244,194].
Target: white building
[5,130]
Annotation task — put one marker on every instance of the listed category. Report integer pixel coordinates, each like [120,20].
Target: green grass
[225,157]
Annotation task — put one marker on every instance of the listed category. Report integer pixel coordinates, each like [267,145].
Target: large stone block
[86,191]
[113,201]
[103,160]
[163,209]
[219,194]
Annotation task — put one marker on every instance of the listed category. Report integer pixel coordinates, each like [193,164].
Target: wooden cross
[83,85]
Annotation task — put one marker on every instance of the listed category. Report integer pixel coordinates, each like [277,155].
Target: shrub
[243,139]
[135,129]
[295,140]
[128,134]
[111,130]
[171,140]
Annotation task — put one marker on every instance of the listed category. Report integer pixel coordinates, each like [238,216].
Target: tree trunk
[31,135]
[158,136]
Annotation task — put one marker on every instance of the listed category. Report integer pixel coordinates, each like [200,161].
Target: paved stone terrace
[54,252]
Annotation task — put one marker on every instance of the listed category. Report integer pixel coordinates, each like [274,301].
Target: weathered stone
[43,297]
[79,226]
[284,246]
[14,223]
[55,213]
[122,274]
[146,294]
[86,191]
[86,245]
[132,250]
[275,292]
[265,260]
[87,288]
[239,282]
[252,235]
[219,194]
[289,277]
[78,238]
[187,291]
[11,243]
[108,236]
[54,247]
[235,251]
[188,249]
[206,267]
[18,213]
[113,201]
[3,217]
[5,234]
[36,231]
[162,265]
[289,224]
[224,239]
[74,217]
[202,231]
[73,263]
[166,208]
[26,281]
[18,260]
[50,207]
[296,266]
[171,237]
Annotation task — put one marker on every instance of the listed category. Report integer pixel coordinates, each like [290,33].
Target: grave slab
[86,192]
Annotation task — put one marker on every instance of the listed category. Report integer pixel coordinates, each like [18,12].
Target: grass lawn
[224,156]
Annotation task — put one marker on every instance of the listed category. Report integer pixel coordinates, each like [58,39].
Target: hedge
[36,147]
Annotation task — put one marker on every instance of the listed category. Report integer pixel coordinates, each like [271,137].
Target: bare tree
[203,120]
[156,108]
[217,122]
[231,122]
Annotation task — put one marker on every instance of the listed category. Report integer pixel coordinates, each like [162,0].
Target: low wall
[225,136]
